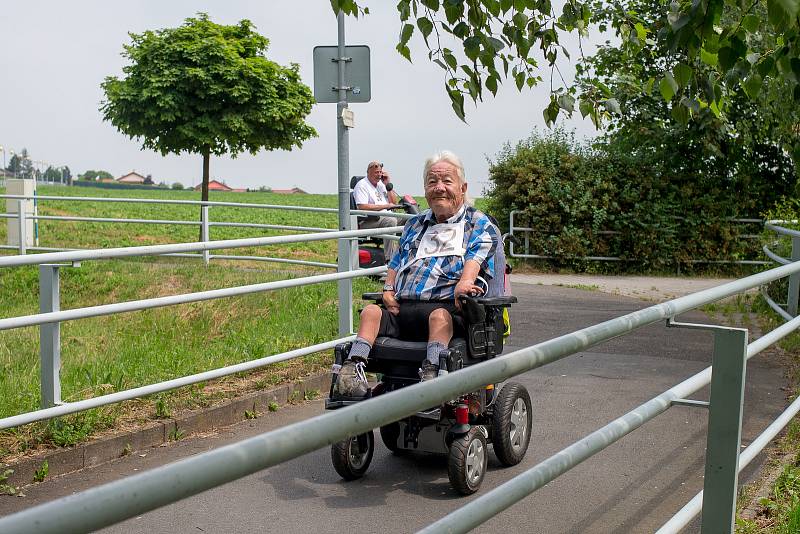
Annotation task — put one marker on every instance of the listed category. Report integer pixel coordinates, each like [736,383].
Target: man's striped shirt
[435,278]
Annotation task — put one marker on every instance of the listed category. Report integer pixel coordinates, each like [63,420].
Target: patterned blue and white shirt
[435,278]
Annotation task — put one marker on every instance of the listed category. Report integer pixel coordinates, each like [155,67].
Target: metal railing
[523,234]
[114,502]
[204,223]
[788,310]
[50,316]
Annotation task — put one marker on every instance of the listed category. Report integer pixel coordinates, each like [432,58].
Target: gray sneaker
[428,371]
[352,381]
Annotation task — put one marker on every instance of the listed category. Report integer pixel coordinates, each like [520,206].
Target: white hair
[448,157]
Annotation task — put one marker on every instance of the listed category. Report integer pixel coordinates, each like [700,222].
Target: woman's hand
[390,303]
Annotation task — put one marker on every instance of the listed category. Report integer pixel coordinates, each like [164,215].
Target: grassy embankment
[117,352]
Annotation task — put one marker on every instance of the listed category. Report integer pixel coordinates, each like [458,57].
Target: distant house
[132,177]
[292,191]
[214,185]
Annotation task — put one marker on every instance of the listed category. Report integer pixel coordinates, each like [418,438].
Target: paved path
[649,288]
[633,486]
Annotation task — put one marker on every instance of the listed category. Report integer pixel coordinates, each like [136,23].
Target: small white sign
[348,118]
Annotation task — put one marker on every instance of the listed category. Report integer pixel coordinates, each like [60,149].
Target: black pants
[411,324]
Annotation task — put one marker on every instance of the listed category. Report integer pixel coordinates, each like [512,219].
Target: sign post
[331,85]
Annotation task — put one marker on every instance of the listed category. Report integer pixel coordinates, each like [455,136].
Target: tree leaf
[751,23]
[668,87]
[781,11]
[708,58]
[752,85]
[567,103]
[612,105]
[682,74]
[425,26]
[406,33]
[585,108]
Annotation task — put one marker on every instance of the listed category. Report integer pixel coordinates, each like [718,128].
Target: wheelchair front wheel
[511,424]
[466,465]
[352,456]
[389,435]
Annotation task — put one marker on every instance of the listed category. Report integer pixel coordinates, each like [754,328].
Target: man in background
[370,194]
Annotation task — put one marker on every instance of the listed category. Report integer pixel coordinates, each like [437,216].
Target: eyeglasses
[376,165]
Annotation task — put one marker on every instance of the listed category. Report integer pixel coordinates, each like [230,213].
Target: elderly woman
[441,254]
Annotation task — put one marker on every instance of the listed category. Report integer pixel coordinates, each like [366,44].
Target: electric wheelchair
[461,428]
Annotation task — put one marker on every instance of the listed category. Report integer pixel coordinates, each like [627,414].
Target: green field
[118,352]
[77,234]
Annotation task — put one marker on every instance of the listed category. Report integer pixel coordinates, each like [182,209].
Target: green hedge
[666,204]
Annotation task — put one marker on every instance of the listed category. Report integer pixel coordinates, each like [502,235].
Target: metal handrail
[204,223]
[135,393]
[490,504]
[158,250]
[111,503]
[513,253]
[171,201]
[206,203]
[791,307]
[47,318]
[173,300]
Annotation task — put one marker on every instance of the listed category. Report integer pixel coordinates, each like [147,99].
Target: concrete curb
[93,453]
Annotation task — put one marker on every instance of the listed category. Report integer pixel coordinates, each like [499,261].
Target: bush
[177,186]
[657,202]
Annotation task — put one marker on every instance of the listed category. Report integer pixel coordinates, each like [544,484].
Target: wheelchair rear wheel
[511,424]
[352,456]
[466,465]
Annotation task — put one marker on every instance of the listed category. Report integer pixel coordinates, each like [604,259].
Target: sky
[54,56]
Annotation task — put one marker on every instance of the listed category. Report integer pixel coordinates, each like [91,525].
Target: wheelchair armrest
[376,297]
[504,301]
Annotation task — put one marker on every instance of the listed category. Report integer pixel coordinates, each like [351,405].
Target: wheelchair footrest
[434,414]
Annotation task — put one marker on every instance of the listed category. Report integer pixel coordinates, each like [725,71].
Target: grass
[117,352]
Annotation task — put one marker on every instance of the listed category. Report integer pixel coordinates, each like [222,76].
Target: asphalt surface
[634,485]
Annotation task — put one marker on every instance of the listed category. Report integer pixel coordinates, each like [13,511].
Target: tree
[206,88]
[96,175]
[15,165]
[719,42]
[177,186]
[746,151]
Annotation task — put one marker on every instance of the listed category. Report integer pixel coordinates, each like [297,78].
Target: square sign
[356,73]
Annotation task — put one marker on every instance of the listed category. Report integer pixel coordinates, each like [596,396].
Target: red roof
[214,185]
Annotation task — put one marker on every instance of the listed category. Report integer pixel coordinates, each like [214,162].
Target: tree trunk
[204,188]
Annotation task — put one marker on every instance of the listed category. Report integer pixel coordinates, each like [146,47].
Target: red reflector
[462,414]
[364,256]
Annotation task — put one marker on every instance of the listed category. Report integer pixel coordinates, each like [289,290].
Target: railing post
[794,281]
[50,336]
[355,262]
[724,430]
[22,224]
[204,231]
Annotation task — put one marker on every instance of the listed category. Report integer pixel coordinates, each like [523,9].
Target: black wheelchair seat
[395,357]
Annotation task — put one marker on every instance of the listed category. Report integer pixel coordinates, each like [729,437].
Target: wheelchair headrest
[354,180]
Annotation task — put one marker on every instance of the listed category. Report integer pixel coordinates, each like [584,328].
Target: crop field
[106,354]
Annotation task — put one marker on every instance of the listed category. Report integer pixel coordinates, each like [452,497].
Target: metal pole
[794,280]
[50,336]
[22,224]
[204,232]
[343,151]
[724,430]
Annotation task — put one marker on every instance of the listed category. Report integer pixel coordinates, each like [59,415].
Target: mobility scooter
[461,428]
